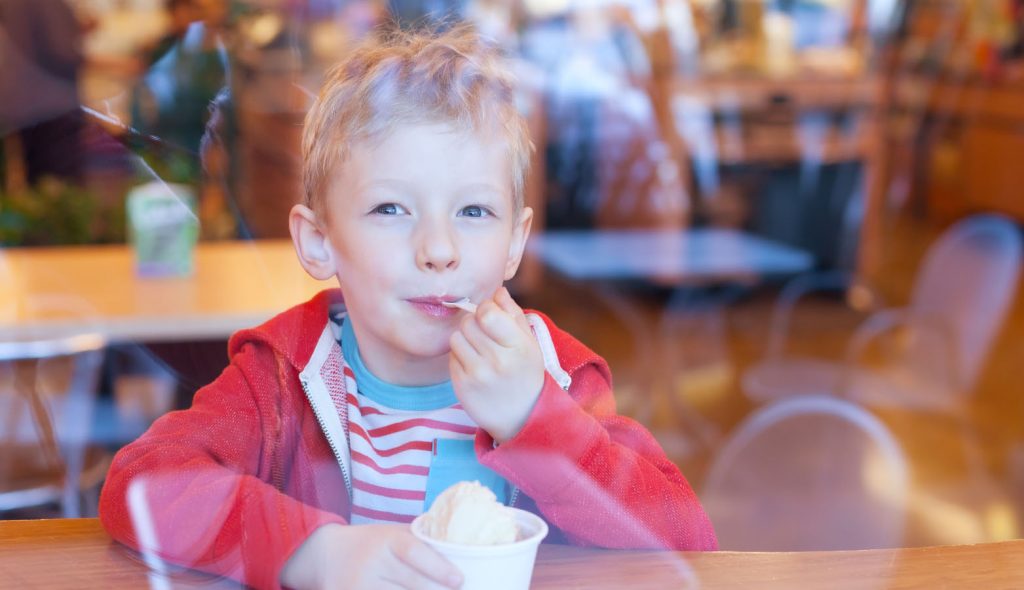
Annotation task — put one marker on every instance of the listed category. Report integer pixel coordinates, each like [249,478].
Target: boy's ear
[520,233]
[311,243]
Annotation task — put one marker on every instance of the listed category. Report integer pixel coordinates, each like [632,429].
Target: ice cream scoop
[469,513]
[494,546]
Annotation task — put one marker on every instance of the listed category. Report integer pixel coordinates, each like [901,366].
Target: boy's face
[423,217]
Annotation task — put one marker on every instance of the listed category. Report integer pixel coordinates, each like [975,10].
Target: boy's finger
[428,563]
[456,369]
[475,336]
[462,351]
[504,300]
[406,577]
[499,326]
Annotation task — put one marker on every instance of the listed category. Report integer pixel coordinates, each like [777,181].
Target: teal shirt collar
[428,397]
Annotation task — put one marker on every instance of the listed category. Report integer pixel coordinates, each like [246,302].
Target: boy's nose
[436,249]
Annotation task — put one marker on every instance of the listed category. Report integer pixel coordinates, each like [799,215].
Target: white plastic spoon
[464,304]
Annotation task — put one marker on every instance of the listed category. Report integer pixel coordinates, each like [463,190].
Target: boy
[361,405]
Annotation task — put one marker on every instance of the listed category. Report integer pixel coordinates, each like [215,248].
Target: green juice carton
[163,228]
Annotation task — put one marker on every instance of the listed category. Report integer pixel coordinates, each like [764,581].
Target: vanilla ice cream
[470,514]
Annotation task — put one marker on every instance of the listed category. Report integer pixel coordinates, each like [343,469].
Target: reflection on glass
[735,203]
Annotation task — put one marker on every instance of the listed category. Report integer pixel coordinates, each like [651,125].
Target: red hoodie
[237,482]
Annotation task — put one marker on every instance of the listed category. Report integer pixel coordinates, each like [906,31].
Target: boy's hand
[367,556]
[496,366]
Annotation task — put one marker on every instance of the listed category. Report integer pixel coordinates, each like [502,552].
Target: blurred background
[792,227]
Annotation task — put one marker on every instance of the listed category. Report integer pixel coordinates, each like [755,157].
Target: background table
[56,554]
[235,285]
[684,256]
[685,260]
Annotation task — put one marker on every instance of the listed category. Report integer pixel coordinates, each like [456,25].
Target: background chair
[778,370]
[48,387]
[962,292]
[936,345]
[808,473]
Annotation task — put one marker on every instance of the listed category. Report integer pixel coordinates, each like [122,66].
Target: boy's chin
[429,348]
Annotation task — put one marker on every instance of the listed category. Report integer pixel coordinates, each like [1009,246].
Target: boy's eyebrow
[405,185]
[486,186]
[392,183]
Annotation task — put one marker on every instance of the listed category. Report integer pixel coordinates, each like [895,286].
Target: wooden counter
[966,155]
[77,554]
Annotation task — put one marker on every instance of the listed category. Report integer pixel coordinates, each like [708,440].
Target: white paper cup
[508,566]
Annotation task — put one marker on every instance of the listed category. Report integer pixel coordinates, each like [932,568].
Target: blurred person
[40,60]
[181,14]
[359,406]
[427,13]
[587,65]
[172,99]
[666,32]
[499,20]
[275,55]
[219,217]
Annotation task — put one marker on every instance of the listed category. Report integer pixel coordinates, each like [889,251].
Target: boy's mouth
[434,307]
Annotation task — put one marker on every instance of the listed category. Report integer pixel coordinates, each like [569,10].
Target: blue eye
[386,209]
[474,211]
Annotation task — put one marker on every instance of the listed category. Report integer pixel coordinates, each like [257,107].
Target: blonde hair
[405,78]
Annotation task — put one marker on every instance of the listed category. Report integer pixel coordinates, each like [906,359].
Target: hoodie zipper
[327,435]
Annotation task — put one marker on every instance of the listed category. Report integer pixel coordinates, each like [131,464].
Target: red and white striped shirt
[391,434]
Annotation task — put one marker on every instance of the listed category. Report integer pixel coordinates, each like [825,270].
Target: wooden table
[684,257]
[78,554]
[685,260]
[235,285]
